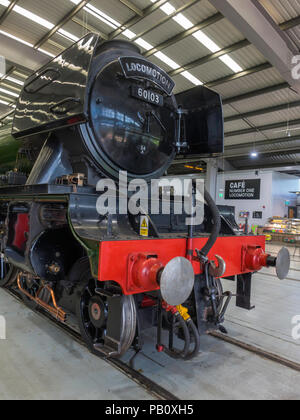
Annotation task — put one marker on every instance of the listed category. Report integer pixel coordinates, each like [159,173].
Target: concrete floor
[39,361]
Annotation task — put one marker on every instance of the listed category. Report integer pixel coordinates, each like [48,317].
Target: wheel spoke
[89,292]
[91,325]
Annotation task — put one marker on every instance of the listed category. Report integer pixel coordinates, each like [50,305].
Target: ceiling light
[196,168]
[168,9]
[183,21]
[200,36]
[213,47]
[206,41]
[46,52]
[13,80]
[165,59]
[129,34]
[231,63]
[4,3]
[254,154]
[4,102]
[103,15]
[192,78]
[25,43]
[43,22]
[32,16]
[99,15]
[8,92]
[16,38]
[68,35]
[144,44]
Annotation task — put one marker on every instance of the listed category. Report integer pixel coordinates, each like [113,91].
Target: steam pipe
[216,224]
[190,247]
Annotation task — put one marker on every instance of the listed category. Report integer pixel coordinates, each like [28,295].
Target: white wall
[264,204]
[283,184]
[275,188]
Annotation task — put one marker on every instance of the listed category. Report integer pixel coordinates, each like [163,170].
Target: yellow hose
[183,312]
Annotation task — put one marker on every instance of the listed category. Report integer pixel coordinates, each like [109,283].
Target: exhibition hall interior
[150,202]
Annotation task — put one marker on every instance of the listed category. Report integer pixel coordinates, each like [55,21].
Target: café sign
[247,189]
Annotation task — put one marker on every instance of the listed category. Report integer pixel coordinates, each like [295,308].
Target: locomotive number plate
[147,95]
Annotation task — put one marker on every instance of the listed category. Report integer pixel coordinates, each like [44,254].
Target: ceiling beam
[262,128]
[61,23]
[182,161]
[210,57]
[5,98]
[290,24]
[22,55]
[7,11]
[181,36]
[270,89]
[272,152]
[201,25]
[132,7]
[3,111]
[232,77]
[221,163]
[257,25]
[261,143]
[89,27]
[136,19]
[8,73]
[10,112]
[254,93]
[227,50]
[286,164]
[263,111]
[166,19]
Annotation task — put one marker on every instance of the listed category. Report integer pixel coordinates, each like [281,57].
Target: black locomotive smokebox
[125,132]
[123,120]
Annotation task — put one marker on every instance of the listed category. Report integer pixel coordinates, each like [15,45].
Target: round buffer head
[177,281]
[283,263]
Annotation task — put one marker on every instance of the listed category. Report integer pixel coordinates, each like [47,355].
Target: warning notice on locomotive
[144,226]
[247,189]
[134,67]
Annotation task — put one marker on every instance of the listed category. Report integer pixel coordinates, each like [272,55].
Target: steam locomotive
[97,109]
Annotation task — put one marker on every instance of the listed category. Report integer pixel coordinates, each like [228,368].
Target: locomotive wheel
[220,290]
[8,273]
[92,312]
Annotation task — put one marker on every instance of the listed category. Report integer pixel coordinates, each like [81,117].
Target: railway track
[150,386]
[288,278]
[258,351]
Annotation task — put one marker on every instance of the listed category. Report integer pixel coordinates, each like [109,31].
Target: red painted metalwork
[169,308]
[148,302]
[21,231]
[160,348]
[254,258]
[115,263]
[143,270]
